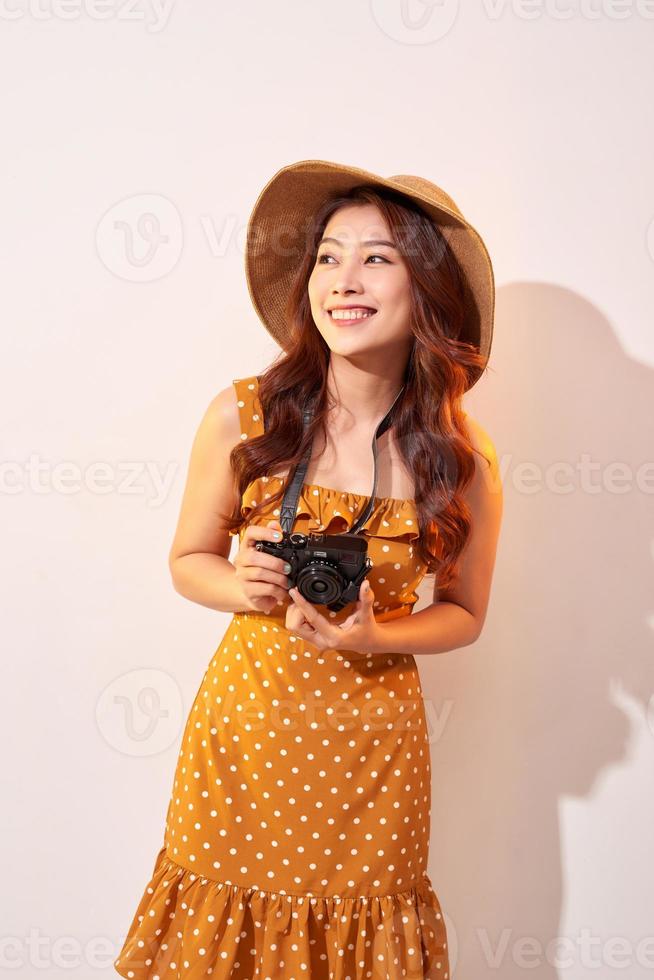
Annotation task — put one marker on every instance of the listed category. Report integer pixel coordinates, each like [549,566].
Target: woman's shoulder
[232,411]
[480,439]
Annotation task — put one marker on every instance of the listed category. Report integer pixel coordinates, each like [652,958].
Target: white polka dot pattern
[297,833]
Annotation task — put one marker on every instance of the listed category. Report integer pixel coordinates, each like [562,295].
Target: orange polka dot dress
[297,834]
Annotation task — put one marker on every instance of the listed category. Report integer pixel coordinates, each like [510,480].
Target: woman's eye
[326,255]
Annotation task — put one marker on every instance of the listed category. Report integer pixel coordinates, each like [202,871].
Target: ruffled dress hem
[190,926]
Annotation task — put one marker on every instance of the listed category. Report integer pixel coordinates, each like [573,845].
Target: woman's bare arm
[456,617]
[199,556]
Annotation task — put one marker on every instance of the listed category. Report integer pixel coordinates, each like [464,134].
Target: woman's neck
[362,396]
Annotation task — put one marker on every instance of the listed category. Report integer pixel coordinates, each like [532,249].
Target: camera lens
[319,582]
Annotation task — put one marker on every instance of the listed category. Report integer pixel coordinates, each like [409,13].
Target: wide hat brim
[277,238]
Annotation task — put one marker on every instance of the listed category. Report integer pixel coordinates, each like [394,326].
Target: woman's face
[359,266]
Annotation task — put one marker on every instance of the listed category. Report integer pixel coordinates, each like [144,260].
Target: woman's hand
[359,632]
[264,583]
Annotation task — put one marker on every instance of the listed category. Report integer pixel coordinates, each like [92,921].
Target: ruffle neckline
[328,509]
[189,926]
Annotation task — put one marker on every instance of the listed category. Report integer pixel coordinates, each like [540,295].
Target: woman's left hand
[359,632]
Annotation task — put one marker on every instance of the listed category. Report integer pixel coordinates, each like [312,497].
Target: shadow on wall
[540,706]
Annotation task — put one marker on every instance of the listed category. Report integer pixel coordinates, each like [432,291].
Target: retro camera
[327,569]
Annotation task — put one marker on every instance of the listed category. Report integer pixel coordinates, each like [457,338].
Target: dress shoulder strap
[249,408]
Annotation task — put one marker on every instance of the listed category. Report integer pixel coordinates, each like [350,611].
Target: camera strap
[289,503]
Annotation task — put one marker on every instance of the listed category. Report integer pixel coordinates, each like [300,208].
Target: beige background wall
[135,141]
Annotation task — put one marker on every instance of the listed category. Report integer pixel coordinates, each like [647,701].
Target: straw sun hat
[278,225]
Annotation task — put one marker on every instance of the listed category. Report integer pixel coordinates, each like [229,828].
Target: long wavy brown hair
[428,420]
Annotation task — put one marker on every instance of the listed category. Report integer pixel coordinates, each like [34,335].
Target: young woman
[297,835]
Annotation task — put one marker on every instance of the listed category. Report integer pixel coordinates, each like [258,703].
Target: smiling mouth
[345,318]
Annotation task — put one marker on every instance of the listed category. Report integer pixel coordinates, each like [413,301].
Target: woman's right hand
[262,577]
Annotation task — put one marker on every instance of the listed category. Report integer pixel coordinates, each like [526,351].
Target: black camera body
[327,569]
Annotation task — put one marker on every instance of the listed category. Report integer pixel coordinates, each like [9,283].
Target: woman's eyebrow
[371,242]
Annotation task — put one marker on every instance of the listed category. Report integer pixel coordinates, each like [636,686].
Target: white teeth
[350,314]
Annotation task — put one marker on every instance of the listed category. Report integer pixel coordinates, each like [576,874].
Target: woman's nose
[346,280]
